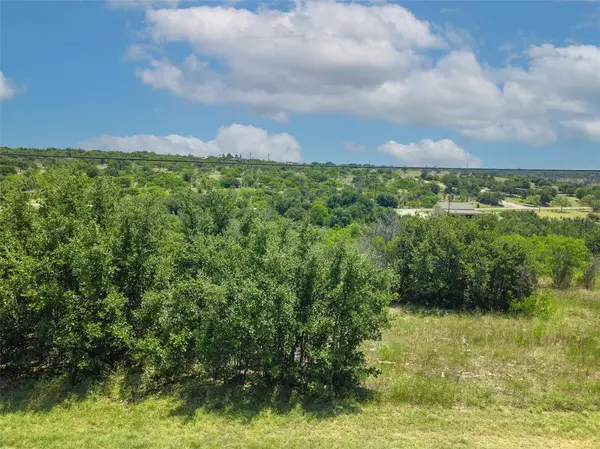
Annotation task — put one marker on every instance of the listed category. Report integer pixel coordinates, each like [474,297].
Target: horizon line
[258,162]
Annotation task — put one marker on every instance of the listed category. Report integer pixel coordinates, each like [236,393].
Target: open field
[414,211]
[548,212]
[448,380]
[575,202]
[556,213]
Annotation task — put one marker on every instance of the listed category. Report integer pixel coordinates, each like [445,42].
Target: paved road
[511,205]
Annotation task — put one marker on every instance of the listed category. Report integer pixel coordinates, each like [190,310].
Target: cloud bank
[234,139]
[426,152]
[378,61]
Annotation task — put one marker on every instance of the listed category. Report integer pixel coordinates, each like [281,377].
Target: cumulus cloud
[234,139]
[370,60]
[142,4]
[427,152]
[7,90]
[584,129]
[353,146]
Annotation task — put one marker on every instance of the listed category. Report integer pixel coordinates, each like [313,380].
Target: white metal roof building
[451,208]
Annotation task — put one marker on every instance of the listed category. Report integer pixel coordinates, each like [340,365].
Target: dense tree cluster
[273,275]
[91,277]
[452,262]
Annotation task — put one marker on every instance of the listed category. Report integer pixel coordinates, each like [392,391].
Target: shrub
[451,262]
[540,304]
[560,257]
[182,286]
[589,274]
[387,200]
[491,198]
[290,310]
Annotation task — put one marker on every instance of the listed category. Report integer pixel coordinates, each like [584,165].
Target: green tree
[387,200]
[560,201]
[452,262]
[581,192]
[318,214]
[535,200]
[559,257]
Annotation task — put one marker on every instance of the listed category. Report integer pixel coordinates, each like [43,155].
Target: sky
[496,84]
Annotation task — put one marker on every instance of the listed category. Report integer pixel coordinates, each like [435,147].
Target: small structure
[451,208]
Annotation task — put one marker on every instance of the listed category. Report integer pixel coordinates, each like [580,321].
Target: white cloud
[7,90]
[140,52]
[353,146]
[370,60]
[234,139]
[584,129]
[142,4]
[426,152]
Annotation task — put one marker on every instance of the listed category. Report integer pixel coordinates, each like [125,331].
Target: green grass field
[575,202]
[543,212]
[565,214]
[449,380]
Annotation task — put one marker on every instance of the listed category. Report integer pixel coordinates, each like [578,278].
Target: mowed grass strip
[448,380]
[96,423]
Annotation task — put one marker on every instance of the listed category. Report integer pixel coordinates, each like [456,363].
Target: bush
[290,310]
[91,279]
[540,304]
[451,262]
[490,198]
[229,183]
[560,257]
[387,200]
[589,274]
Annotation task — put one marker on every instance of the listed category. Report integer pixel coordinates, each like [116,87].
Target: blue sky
[497,84]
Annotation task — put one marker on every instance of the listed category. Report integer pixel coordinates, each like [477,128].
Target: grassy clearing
[483,360]
[518,200]
[575,202]
[448,380]
[543,212]
[412,173]
[564,214]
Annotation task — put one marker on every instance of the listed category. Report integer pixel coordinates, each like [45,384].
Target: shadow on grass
[246,402]
[422,310]
[228,399]
[40,395]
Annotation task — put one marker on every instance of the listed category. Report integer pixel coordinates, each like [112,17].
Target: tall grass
[454,359]
[447,380]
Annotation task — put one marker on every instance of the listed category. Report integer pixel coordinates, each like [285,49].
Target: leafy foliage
[179,285]
[557,257]
[451,262]
[540,304]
